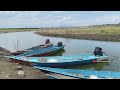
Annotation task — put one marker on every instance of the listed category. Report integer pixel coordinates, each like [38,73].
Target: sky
[38,19]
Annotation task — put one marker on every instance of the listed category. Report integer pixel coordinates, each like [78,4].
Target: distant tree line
[105,25]
[67,26]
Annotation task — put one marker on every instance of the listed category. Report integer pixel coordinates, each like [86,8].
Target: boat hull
[102,58]
[83,74]
[22,62]
[29,49]
[57,61]
[64,64]
[18,53]
[43,52]
[46,53]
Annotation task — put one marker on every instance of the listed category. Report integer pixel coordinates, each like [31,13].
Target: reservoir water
[23,40]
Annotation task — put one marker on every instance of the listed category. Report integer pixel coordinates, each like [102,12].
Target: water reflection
[60,53]
[97,66]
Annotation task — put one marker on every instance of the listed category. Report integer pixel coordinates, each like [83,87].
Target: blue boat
[82,74]
[58,61]
[38,47]
[29,49]
[43,52]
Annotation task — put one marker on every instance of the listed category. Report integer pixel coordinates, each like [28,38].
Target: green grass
[87,30]
[90,30]
[17,29]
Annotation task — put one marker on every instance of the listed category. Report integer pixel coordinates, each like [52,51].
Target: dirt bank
[8,70]
[89,36]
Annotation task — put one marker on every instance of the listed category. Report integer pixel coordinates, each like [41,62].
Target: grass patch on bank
[75,30]
[86,30]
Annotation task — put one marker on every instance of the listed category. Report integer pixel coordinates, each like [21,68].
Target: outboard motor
[98,51]
[59,44]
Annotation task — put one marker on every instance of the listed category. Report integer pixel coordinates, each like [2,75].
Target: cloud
[17,13]
[7,14]
[38,19]
[98,11]
[55,18]
[108,18]
[58,12]
[61,19]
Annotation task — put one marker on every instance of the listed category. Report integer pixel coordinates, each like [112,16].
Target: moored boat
[43,52]
[38,47]
[82,74]
[57,61]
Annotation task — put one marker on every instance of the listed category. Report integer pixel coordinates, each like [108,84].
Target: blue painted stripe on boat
[115,74]
[67,58]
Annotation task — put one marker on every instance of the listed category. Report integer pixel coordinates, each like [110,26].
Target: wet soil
[9,70]
[92,36]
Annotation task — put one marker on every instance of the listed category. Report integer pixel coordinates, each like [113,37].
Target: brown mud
[8,69]
[92,36]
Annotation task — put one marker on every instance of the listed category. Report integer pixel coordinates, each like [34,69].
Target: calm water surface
[24,40]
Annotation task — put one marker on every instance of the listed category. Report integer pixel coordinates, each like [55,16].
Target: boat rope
[117,62]
[114,58]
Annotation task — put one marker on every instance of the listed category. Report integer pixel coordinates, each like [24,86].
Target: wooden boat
[82,74]
[57,61]
[29,49]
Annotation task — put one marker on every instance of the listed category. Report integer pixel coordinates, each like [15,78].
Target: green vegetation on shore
[89,30]
[16,28]
[95,29]
[102,33]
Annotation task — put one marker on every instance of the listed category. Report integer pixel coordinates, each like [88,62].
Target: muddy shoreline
[8,69]
[99,37]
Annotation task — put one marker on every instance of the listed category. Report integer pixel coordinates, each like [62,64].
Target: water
[72,46]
